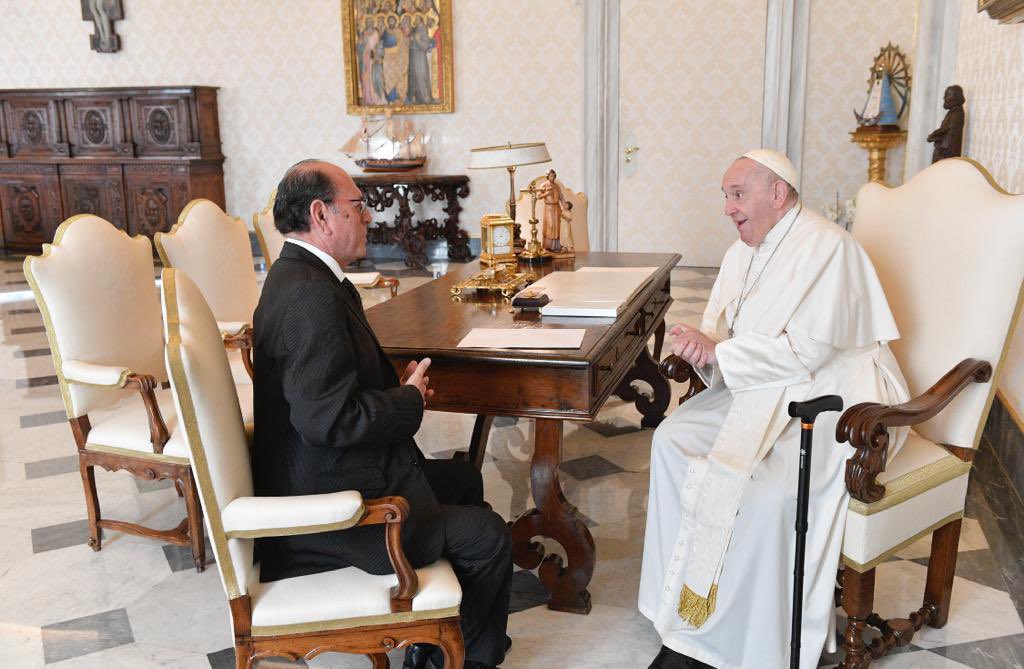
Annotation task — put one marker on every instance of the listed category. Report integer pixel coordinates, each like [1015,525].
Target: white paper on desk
[364,279]
[522,338]
[592,291]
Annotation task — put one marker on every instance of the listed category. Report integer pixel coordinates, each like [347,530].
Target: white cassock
[815,323]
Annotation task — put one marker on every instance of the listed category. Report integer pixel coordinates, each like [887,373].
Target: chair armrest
[241,339]
[865,426]
[251,517]
[113,376]
[87,373]
[676,369]
[392,511]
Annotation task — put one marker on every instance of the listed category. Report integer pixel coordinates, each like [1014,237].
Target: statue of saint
[554,201]
[949,136]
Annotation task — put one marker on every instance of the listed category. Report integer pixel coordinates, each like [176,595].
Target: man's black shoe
[669,659]
[420,654]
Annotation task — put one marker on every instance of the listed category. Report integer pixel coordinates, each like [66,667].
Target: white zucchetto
[777,162]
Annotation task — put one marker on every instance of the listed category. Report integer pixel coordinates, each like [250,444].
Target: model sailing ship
[383,144]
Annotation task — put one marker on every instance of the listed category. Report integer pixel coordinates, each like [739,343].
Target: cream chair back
[207,403]
[948,247]
[271,241]
[95,289]
[214,250]
[577,223]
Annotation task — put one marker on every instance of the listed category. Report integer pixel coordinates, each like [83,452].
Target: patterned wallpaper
[279,69]
[845,37]
[690,89]
[990,67]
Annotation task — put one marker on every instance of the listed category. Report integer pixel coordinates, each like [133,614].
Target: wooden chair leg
[379,661]
[195,520]
[243,656]
[452,645]
[858,601]
[177,489]
[941,568]
[92,504]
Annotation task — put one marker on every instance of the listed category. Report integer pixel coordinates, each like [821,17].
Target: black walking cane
[806,412]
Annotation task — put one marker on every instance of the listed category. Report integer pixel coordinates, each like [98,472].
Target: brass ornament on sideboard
[132,155]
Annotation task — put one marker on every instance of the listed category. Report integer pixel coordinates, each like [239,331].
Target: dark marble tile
[1001,515]
[32,329]
[1007,441]
[589,467]
[145,485]
[611,429]
[44,418]
[1004,651]
[504,421]
[978,566]
[90,634]
[21,312]
[697,284]
[527,592]
[36,381]
[54,537]
[15,270]
[179,558]
[691,299]
[16,283]
[32,352]
[51,467]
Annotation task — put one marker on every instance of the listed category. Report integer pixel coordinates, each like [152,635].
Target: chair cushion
[125,427]
[345,598]
[925,488]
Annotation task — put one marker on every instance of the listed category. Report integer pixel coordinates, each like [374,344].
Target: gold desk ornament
[497,239]
[877,141]
[533,251]
[502,279]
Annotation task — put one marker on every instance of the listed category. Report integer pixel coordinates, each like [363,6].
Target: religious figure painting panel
[398,56]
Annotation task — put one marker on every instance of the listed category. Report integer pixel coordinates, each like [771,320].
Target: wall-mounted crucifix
[103,13]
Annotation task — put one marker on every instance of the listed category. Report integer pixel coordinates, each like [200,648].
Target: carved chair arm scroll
[865,426]
[243,341]
[676,369]
[392,511]
[147,384]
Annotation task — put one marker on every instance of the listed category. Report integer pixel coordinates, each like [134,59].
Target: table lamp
[510,156]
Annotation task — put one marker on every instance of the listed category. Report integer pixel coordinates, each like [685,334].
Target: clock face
[502,240]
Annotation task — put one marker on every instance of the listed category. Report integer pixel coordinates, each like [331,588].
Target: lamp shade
[508,155]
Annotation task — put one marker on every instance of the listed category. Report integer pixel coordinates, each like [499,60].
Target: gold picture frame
[1004,11]
[387,41]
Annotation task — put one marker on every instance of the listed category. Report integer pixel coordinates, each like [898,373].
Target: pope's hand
[415,375]
[693,346]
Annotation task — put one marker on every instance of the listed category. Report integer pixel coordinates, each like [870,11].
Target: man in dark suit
[333,415]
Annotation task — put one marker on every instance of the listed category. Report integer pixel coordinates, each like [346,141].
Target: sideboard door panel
[34,128]
[96,128]
[155,194]
[162,126]
[94,189]
[30,198]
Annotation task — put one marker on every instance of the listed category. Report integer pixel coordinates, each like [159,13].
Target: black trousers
[478,544]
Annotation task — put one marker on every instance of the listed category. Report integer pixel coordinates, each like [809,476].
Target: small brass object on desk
[502,279]
[534,251]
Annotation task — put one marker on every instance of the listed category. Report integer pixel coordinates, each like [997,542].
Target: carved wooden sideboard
[134,156]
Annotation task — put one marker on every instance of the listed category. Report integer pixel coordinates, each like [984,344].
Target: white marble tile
[971,538]
[137,656]
[16,545]
[186,611]
[21,645]
[977,611]
[73,582]
[920,659]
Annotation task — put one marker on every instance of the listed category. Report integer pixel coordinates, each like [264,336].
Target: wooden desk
[547,385]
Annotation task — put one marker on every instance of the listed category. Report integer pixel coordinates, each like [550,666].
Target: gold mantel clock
[496,240]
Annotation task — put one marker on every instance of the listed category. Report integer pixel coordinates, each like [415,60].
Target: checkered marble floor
[138,603]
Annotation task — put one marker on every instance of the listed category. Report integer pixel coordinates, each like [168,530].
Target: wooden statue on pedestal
[949,137]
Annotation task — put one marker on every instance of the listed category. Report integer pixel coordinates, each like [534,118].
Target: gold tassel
[695,609]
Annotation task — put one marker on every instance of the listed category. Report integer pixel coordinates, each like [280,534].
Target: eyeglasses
[358,204]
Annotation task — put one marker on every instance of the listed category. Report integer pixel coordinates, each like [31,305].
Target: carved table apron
[549,386]
[381,191]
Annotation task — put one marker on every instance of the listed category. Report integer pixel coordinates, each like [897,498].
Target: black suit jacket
[331,415]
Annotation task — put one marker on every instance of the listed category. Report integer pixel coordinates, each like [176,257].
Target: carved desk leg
[646,369]
[556,518]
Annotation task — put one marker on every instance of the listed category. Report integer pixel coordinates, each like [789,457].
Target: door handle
[630,150]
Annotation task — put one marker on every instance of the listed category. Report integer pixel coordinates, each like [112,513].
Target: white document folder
[592,291]
[522,338]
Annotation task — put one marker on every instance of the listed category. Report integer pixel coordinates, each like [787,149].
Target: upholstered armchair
[947,246]
[214,250]
[271,241]
[577,224]
[345,610]
[95,289]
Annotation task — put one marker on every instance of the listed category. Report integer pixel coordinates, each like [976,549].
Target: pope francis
[796,312]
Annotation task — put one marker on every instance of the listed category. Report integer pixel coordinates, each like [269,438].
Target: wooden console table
[134,156]
[548,385]
[381,191]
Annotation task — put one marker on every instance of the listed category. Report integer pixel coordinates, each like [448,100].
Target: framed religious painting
[398,56]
